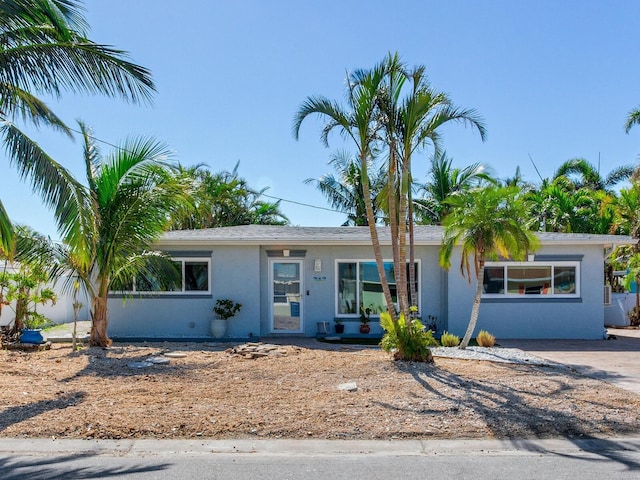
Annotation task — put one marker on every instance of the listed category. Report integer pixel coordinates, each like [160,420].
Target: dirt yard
[294,393]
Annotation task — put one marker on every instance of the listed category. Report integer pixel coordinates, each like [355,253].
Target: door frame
[300,262]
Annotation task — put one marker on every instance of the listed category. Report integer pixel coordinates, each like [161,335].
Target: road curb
[304,447]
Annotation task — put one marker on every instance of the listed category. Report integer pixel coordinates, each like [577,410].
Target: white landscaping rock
[348,387]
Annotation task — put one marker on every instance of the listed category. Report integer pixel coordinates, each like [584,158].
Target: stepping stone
[158,360]
[175,355]
[139,364]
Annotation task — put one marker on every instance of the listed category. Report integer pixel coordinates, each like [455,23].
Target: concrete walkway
[616,361]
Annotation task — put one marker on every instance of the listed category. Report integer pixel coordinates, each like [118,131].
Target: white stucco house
[290,278]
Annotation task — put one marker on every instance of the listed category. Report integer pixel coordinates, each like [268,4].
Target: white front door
[285,292]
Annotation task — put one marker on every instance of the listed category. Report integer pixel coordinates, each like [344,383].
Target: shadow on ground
[508,415]
[63,467]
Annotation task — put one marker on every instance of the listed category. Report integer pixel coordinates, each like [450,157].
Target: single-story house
[290,280]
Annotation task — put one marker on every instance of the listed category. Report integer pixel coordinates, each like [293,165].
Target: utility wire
[260,194]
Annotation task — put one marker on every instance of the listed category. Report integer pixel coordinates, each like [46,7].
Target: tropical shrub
[485,339]
[449,340]
[225,308]
[408,341]
[26,287]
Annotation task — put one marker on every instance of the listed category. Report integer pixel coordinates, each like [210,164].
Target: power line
[261,194]
[301,203]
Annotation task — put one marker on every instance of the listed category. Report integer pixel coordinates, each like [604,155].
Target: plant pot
[218,327]
[365,328]
[339,328]
[28,335]
[323,328]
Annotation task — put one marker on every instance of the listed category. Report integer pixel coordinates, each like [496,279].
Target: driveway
[616,361]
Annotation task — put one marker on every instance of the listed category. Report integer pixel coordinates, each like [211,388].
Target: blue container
[31,336]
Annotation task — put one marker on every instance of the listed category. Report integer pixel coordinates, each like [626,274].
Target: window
[193,278]
[359,286]
[553,279]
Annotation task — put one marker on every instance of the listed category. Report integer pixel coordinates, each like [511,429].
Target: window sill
[155,295]
[531,299]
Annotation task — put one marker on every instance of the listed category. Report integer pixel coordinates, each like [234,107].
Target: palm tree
[487,223]
[356,121]
[130,196]
[412,123]
[557,206]
[223,199]
[445,181]
[44,50]
[633,118]
[627,218]
[588,176]
[345,192]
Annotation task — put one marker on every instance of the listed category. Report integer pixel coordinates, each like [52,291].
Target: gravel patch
[492,354]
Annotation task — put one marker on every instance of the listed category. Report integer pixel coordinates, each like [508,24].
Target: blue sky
[553,80]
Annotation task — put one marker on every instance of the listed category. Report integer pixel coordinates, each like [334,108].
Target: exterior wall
[319,288]
[234,274]
[241,273]
[529,317]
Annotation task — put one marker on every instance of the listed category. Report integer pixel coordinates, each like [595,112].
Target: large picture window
[359,286]
[555,279]
[193,278]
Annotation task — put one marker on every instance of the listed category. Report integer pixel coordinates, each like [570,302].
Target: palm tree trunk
[99,337]
[403,294]
[475,310]
[412,254]
[392,201]
[375,241]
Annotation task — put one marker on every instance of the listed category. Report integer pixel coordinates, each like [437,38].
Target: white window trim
[367,260]
[183,260]
[525,297]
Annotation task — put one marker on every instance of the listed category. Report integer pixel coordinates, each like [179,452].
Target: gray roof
[278,235]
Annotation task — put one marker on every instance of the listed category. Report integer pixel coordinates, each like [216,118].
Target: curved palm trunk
[475,310]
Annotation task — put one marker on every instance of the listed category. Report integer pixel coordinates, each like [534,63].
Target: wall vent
[607,294]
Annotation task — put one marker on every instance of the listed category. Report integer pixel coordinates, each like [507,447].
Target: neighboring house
[290,278]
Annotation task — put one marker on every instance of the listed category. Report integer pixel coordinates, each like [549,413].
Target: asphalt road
[310,460]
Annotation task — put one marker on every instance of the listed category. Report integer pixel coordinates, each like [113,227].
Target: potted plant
[339,326]
[224,309]
[365,317]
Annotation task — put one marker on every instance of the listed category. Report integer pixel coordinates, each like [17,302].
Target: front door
[285,292]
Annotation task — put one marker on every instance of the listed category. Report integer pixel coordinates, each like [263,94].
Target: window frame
[357,282]
[183,261]
[528,297]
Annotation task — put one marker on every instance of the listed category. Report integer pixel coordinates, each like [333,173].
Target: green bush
[408,340]
[449,340]
[485,339]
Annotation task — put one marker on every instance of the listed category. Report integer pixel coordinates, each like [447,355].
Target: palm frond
[55,185]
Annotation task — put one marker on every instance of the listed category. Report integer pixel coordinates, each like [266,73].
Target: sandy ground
[210,393]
